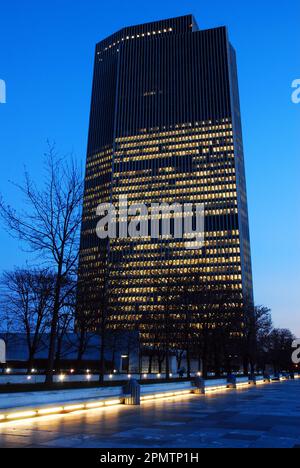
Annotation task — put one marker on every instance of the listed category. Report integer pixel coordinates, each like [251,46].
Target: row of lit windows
[201,162]
[210,163]
[104,153]
[192,259]
[213,146]
[228,235]
[173,262]
[163,139]
[140,185]
[125,293]
[135,268]
[177,143]
[102,169]
[208,212]
[180,130]
[207,177]
[181,253]
[183,125]
[208,149]
[172,283]
[211,201]
[149,190]
[199,186]
[154,308]
[218,149]
[128,179]
[131,276]
[135,36]
[157,246]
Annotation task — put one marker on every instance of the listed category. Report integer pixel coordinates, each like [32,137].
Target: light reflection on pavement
[266,416]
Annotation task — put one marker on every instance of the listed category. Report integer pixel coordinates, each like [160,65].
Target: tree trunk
[167,364]
[246,365]
[102,358]
[150,364]
[113,358]
[204,368]
[200,369]
[54,323]
[179,359]
[80,354]
[30,360]
[58,352]
[81,345]
[188,362]
[227,365]
[204,358]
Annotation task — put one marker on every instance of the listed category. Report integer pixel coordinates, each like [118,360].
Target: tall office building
[165,127]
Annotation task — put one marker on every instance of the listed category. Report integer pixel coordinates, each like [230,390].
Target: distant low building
[2,352]
[121,354]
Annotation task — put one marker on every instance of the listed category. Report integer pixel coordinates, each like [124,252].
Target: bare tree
[27,297]
[153,345]
[50,226]
[92,317]
[84,322]
[210,316]
[66,318]
[163,322]
[280,349]
[257,329]
[179,354]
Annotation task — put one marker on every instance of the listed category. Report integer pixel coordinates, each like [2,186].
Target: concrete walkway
[263,416]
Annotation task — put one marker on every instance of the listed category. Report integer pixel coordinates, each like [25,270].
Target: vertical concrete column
[132,392]
[231,381]
[252,379]
[199,384]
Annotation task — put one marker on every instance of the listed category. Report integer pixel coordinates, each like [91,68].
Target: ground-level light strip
[60,410]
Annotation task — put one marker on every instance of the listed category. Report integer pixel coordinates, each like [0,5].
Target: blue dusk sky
[46,60]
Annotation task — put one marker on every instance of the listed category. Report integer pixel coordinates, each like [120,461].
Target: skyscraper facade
[165,127]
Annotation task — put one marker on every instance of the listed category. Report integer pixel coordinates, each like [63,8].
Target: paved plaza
[265,416]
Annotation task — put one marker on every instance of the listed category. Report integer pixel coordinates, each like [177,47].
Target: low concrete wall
[215,383]
[18,405]
[242,380]
[52,397]
[165,387]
